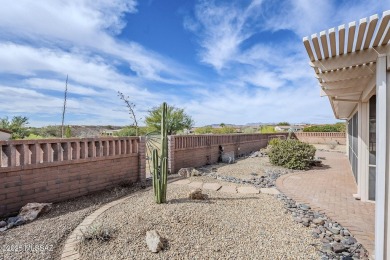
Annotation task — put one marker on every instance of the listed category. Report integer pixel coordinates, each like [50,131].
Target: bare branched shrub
[97,232]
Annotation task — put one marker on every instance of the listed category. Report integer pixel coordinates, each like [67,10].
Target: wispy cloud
[84,26]
[222,29]
[305,17]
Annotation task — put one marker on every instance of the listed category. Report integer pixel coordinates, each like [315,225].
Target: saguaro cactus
[160,167]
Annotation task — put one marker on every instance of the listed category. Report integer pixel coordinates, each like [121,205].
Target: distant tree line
[211,130]
[338,127]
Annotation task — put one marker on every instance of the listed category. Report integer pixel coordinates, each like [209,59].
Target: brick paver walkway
[329,190]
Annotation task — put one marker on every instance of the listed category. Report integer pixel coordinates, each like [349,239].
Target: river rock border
[336,242]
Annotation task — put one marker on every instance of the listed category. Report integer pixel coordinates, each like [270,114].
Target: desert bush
[97,232]
[274,141]
[292,154]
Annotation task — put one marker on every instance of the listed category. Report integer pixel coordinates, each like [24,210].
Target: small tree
[131,107]
[283,124]
[177,119]
[64,108]
[68,132]
[17,126]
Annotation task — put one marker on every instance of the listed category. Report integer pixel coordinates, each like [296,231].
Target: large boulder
[154,241]
[33,210]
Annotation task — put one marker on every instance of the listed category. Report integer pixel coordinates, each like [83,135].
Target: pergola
[352,64]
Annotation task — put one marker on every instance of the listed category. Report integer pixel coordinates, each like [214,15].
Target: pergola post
[382,207]
[363,140]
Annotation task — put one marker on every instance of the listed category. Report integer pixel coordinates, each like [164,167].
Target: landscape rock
[186,172]
[228,157]
[212,186]
[304,207]
[31,211]
[16,221]
[338,248]
[154,241]
[350,241]
[318,221]
[3,224]
[335,231]
[272,191]
[195,172]
[247,190]
[197,195]
[228,189]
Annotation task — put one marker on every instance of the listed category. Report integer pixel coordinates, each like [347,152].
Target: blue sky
[222,61]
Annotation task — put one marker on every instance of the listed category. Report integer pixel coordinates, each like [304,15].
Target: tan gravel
[43,238]
[242,168]
[226,226]
[328,148]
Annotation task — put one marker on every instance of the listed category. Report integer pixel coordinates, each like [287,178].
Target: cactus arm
[160,172]
[155,172]
[164,179]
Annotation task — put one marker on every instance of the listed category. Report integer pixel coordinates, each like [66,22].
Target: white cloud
[305,17]
[89,25]
[222,29]
[266,79]
[57,85]
[234,105]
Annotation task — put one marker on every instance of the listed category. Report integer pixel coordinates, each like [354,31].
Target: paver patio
[329,189]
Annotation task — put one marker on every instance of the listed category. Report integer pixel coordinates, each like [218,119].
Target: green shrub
[292,154]
[274,141]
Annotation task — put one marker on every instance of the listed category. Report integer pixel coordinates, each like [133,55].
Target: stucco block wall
[55,181]
[196,151]
[321,138]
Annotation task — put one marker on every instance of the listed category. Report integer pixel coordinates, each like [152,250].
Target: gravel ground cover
[243,168]
[44,237]
[226,226]
[329,148]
